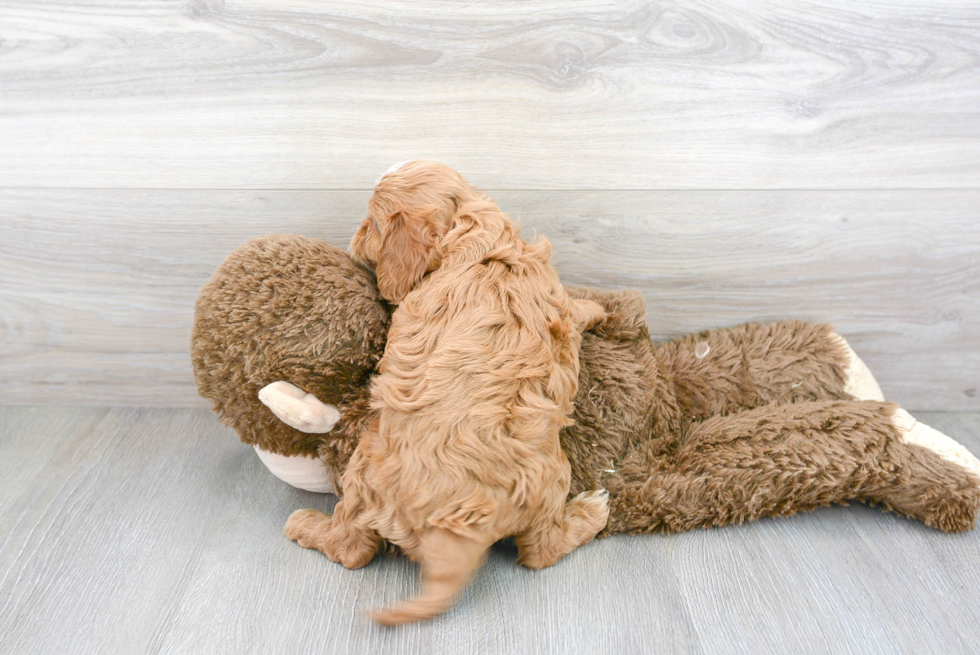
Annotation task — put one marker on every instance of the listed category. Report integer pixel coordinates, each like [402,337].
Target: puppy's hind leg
[334,536]
[581,519]
[340,537]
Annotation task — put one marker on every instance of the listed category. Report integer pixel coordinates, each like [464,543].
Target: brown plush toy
[711,429]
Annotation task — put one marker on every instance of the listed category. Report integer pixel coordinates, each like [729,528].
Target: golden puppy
[478,376]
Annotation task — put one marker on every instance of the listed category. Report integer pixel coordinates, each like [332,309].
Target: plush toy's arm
[299,409]
[725,370]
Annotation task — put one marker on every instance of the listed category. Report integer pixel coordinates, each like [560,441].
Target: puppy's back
[478,378]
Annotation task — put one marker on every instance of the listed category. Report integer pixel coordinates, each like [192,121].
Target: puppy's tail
[448,563]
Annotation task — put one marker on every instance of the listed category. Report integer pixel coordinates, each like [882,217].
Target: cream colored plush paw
[859,381]
[298,409]
[306,473]
[920,434]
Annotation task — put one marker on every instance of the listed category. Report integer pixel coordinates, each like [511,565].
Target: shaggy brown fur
[681,456]
[777,460]
[477,379]
[753,365]
[674,454]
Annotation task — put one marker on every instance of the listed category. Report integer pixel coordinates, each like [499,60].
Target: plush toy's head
[285,307]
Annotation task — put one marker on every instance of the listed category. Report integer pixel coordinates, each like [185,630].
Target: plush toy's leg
[726,370]
[920,434]
[859,383]
[780,459]
[298,409]
[339,537]
[579,522]
[931,484]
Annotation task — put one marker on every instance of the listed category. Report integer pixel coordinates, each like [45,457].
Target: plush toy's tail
[448,563]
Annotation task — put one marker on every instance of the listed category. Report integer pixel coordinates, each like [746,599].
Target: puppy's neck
[478,229]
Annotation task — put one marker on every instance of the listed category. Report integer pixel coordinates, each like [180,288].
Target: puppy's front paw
[592,507]
[305,525]
[588,314]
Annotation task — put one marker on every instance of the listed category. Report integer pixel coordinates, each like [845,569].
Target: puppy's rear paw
[304,524]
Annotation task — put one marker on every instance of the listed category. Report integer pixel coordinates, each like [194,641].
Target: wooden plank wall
[735,160]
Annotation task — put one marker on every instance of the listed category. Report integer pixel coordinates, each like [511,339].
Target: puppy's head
[411,210]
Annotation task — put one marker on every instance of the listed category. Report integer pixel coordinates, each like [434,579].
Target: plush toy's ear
[408,252]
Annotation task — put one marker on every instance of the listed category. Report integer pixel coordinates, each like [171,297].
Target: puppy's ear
[408,252]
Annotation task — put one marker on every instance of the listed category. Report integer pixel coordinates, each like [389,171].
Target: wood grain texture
[21,433]
[98,286]
[304,603]
[155,531]
[105,535]
[610,95]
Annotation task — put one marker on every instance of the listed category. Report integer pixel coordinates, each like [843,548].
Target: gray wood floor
[156,531]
